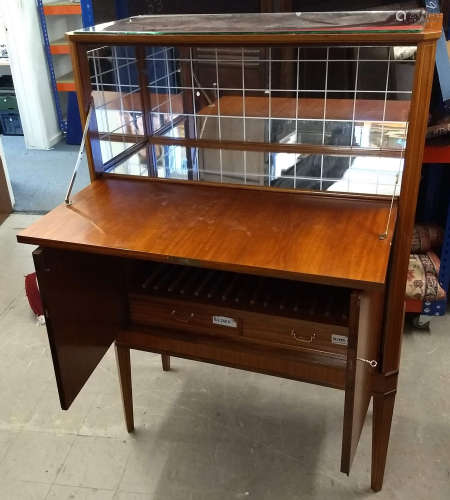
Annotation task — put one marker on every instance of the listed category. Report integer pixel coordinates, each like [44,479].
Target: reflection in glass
[171,162]
[342,74]
[338,133]
[388,135]
[116,98]
[120,139]
[110,149]
[349,96]
[341,96]
[355,174]
[372,76]
[178,129]
[136,164]
[371,175]
[117,112]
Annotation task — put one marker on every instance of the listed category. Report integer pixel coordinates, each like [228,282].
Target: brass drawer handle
[303,339]
[181,320]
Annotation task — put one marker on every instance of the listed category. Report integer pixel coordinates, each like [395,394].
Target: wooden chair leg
[165,358]
[383,408]
[124,371]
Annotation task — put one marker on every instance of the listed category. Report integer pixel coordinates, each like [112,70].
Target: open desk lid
[266,23]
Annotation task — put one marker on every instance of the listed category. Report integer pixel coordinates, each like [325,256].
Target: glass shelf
[265,23]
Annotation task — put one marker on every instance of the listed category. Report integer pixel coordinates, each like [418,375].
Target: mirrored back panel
[351,174]
[325,118]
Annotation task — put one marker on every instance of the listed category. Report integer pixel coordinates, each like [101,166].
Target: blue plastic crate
[10,124]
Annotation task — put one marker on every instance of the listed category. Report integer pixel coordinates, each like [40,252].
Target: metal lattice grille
[117,100]
[353,97]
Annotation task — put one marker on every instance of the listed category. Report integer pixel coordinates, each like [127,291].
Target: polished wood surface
[385,381]
[124,371]
[165,359]
[348,443]
[292,235]
[364,343]
[284,107]
[280,107]
[312,340]
[226,352]
[423,81]
[84,308]
[383,408]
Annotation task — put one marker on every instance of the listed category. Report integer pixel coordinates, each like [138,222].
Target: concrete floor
[39,178]
[203,432]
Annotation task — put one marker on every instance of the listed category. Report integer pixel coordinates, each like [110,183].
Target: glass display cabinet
[327,118]
[254,181]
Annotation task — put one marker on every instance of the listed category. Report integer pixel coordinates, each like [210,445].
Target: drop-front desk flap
[332,240]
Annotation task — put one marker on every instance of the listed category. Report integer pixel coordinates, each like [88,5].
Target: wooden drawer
[296,333]
[287,332]
[182,315]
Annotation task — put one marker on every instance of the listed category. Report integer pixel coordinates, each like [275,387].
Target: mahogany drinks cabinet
[254,182]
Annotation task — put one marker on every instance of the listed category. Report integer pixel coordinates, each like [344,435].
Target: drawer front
[297,333]
[214,320]
[184,316]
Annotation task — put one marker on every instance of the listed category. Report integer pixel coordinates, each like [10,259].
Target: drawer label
[224,321]
[339,339]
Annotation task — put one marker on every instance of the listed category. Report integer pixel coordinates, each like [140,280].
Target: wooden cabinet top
[312,237]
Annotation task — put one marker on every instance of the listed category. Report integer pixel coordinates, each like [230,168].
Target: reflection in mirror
[120,139]
[351,96]
[136,164]
[171,162]
[116,99]
[283,95]
[209,85]
[353,174]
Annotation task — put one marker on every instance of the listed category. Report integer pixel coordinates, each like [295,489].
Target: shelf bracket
[384,235]
[67,200]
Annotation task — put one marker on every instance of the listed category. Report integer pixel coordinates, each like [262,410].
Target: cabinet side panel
[407,206]
[83,305]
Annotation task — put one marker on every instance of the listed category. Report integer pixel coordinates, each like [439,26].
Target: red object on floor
[413,306]
[33,294]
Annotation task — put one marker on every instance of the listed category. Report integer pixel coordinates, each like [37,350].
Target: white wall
[30,73]
[5,183]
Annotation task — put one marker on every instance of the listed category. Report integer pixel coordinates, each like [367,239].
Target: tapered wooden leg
[124,371]
[383,408]
[165,358]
